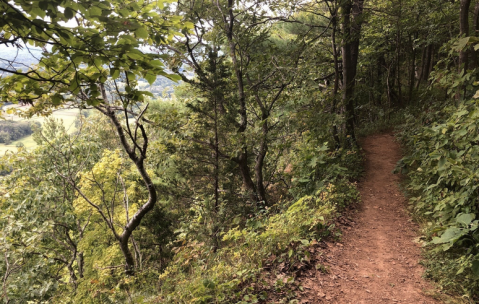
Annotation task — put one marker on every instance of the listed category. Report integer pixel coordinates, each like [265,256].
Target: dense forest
[248,159]
[13,130]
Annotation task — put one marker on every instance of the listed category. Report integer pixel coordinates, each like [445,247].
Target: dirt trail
[377,259]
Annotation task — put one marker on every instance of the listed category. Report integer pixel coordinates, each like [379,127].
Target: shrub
[443,169]
[198,275]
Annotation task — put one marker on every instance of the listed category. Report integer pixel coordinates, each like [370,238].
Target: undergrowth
[441,162]
[323,186]
[199,276]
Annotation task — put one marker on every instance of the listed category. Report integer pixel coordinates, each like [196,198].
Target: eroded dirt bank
[376,260]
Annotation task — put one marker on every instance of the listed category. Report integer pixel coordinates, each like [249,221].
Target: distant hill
[26,56]
[20,58]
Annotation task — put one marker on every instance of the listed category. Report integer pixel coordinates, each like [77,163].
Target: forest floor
[377,258]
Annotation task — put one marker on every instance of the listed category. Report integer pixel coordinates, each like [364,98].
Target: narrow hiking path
[376,260]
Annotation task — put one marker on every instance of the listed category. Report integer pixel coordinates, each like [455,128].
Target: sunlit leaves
[104,34]
[442,167]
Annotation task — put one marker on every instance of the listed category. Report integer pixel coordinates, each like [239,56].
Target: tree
[81,63]
[464,31]
[351,21]
[40,229]
[237,38]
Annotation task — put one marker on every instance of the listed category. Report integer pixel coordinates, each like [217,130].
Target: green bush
[443,169]
[198,275]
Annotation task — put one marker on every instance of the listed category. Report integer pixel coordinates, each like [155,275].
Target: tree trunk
[357,21]
[80,263]
[248,183]
[474,59]
[381,66]
[351,20]
[263,149]
[427,63]
[347,71]
[129,260]
[138,159]
[464,31]
[412,70]
[217,181]
[243,158]
[336,80]
[421,70]
[398,55]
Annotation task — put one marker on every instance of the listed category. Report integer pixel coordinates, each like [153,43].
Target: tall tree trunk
[351,20]
[432,63]
[348,82]
[412,69]
[217,181]
[422,68]
[464,31]
[263,149]
[336,79]
[474,58]
[398,53]
[242,160]
[381,65]
[248,183]
[138,159]
[356,24]
[427,63]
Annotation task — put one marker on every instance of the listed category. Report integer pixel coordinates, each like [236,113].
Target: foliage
[39,229]
[103,44]
[247,164]
[316,165]
[13,130]
[442,167]
[200,276]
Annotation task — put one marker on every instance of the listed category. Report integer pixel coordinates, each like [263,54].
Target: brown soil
[376,260]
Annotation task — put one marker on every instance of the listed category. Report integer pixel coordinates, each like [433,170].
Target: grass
[67,115]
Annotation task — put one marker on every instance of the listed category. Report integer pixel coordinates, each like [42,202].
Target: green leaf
[174,77]
[451,234]
[93,102]
[462,132]
[43,5]
[115,73]
[156,63]
[38,12]
[209,284]
[135,56]
[462,43]
[57,99]
[77,59]
[441,163]
[74,87]
[475,268]
[141,32]
[69,13]
[95,11]
[65,35]
[150,78]
[466,218]
[130,76]
[124,12]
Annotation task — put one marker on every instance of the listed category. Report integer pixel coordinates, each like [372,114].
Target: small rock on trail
[377,259]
